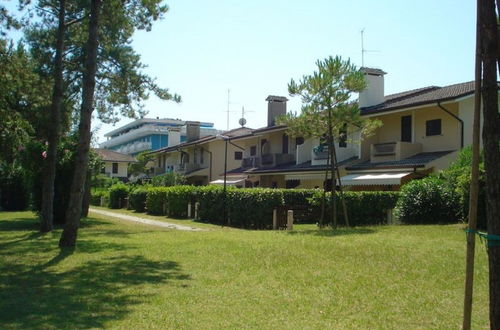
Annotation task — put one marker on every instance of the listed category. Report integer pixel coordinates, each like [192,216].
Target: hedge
[137,199]
[429,200]
[117,194]
[363,207]
[156,200]
[95,197]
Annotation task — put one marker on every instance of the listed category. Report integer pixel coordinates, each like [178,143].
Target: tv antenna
[363,50]
[228,110]
[242,120]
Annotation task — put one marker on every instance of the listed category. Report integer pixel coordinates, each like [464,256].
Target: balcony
[250,162]
[391,151]
[185,168]
[271,160]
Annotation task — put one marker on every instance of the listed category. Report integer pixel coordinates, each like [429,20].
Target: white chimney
[192,130]
[276,106]
[373,94]
[174,136]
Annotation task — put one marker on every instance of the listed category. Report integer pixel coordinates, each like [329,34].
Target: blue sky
[203,48]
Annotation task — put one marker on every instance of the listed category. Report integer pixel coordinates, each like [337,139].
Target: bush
[429,200]
[168,180]
[117,195]
[13,190]
[178,198]
[363,207]
[156,200]
[253,208]
[137,199]
[95,197]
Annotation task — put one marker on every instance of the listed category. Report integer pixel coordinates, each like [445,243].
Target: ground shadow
[87,296]
[333,232]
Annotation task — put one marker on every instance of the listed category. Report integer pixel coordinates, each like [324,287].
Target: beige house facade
[115,164]
[422,131]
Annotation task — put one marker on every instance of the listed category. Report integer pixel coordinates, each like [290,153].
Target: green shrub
[429,200]
[95,197]
[168,180]
[211,199]
[137,198]
[156,200]
[178,198]
[363,207]
[117,195]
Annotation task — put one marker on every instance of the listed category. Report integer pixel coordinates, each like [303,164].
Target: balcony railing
[250,162]
[270,160]
[392,151]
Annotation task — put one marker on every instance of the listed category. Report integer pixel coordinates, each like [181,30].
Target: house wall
[217,148]
[122,169]
[466,113]
[390,131]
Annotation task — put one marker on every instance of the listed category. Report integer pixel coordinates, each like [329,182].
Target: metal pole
[225,176]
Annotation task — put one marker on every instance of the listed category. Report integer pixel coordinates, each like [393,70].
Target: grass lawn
[133,276]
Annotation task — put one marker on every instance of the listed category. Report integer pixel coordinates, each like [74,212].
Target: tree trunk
[47,213]
[491,141]
[323,197]
[86,196]
[341,192]
[331,147]
[74,211]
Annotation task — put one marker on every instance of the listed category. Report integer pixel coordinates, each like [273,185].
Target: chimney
[373,94]
[192,130]
[174,136]
[276,106]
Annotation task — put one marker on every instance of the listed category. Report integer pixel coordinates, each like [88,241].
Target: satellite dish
[242,121]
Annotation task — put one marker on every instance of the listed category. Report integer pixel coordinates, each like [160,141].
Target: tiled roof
[421,96]
[306,167]
[418,160]
[372,71]
[113,156]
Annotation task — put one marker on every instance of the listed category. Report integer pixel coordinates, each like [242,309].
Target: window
[433,127]
[253,150]
[115,168]
[238,155]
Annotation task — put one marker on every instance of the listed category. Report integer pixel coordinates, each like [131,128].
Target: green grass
[133,276]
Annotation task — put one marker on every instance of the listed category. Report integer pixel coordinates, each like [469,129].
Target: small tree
[141,166]
[328,111]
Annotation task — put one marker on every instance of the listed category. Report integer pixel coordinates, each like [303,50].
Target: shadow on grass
[86,296]
[333,232]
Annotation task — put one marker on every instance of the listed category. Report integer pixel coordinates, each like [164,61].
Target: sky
[202,49]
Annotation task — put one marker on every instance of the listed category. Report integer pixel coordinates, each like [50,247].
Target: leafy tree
[168,180]
[328,112]
[111,62]
[141,166]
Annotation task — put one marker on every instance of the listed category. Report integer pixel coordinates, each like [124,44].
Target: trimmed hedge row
[117,194]
[363,208]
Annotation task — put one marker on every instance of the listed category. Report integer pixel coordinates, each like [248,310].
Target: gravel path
[143,220]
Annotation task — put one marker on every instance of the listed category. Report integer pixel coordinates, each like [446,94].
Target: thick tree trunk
[74,212]
[86,196]
[491,142]
[47,213]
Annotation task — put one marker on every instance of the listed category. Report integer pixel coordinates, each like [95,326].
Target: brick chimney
[192,130]
[373,94]
[276,106]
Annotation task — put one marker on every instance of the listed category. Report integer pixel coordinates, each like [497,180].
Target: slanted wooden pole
[474,182]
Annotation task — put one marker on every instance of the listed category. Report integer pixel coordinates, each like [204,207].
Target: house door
[406,129]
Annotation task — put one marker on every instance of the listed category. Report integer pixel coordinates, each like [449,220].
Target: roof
[141,121]
[421,96]
[418,160]
[113,156]
[291,167]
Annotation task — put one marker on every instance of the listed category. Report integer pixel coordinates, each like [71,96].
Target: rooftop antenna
[363,50]
[242,120]
[228,111]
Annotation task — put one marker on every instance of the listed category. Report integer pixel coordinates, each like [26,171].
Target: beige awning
[229,181]
[371,179]
[306,176]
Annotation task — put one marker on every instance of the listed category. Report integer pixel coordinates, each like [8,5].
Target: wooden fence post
[196,211]
[275,218]
[289,220]
[189,210]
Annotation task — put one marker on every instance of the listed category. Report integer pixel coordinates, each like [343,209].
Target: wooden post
[197,211]
[289,220]
[164,207]
[189,210]
[275,218]
[474,182]
[390,220]
[102,201]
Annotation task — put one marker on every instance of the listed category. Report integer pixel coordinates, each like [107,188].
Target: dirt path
[143,220]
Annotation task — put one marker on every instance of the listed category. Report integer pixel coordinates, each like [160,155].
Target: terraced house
[422,131]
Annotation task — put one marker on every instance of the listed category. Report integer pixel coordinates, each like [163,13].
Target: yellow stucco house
[422,132]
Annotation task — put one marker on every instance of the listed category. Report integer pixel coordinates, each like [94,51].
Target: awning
[229,181]
[365,179]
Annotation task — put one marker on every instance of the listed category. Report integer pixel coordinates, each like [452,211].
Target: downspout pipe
[459,120]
